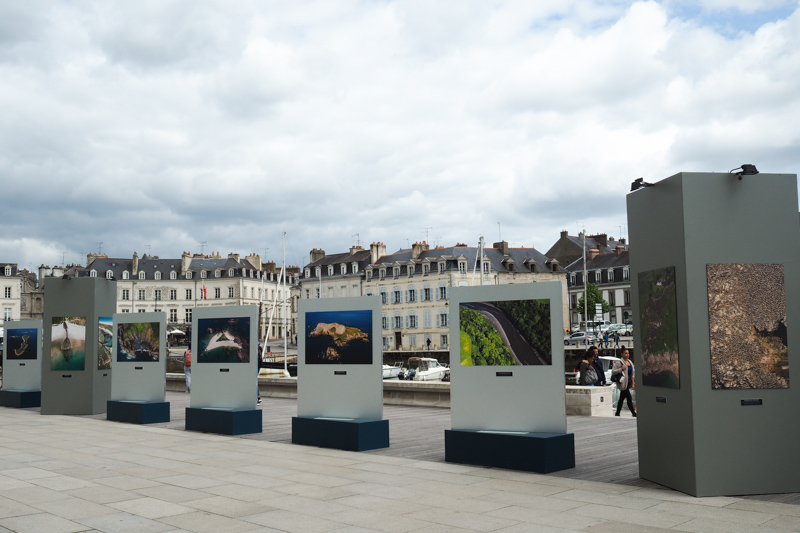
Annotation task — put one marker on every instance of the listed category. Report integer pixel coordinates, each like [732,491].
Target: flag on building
[205,296]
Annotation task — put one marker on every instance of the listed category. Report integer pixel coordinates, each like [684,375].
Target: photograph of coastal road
[505,333]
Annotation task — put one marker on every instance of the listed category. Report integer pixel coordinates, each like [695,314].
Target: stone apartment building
[177,286]
[611,273]
[20,297]
[414,284]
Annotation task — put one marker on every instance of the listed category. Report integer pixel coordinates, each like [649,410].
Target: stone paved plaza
[69,474]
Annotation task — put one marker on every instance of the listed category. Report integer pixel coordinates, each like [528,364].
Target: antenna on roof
[203,247]
[427,233]
[148,249]
[63,258]
[358,239]
[100,246]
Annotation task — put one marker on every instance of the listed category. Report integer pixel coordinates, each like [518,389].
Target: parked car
[579,337]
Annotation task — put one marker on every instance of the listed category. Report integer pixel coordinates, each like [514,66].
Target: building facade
[414,284]
[177,286]
[20,297]
[611,273]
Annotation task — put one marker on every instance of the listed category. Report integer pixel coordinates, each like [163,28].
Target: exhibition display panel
[507,395]
[340,379]
[75,378]
[138,356]
[714,259]
[22,364]
[224,371]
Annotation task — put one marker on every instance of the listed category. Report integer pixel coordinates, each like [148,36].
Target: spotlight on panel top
[745,170]
[639,183]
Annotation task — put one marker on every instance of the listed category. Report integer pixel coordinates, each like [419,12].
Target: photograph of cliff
[505,333]
[138,341]
[659,328]
[747,326]
[339,338]
[223,340]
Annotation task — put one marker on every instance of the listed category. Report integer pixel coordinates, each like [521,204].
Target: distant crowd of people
[591,373]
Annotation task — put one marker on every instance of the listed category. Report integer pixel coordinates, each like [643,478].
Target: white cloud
[172,124]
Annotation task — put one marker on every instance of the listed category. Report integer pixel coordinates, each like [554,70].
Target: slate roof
[601,262]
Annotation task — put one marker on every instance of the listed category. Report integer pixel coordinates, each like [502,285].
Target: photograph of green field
[505,333]
[747,326]
[659,328]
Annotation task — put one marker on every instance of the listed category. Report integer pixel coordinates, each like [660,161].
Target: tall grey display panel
[508,401]
[75,380]
[22,364]
[138,383]
[717,414]
[339,375]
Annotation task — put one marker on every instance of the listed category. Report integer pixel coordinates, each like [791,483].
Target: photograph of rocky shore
[747,326]
[659,328]
[339,337]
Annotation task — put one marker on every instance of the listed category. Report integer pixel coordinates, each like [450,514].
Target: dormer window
[343,269]
[383,273]
[572,279]
[217,273]
[319,272]
[141,274]
[8,270]
[485,266]
[626,274]
[369,274]
[330,270]
[157,275]
[426,269]
[462,267]
[203,274]
[173,275]
[189,276]
[109,274]
[396,271]
[410,269]
[125,274]
[355,268]
[93,273]
[441,267]
[308,272]
[230,272]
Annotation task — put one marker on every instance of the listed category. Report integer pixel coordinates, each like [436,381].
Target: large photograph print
[659,328]
[68,343]
[21,343]
[138,341]
[105,339]
[747,326]
[223,340]
[339,337]
[505,333]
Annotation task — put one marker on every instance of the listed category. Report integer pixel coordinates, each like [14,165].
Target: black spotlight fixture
[745,170]
[638,183]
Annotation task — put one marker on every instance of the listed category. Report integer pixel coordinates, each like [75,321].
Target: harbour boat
[392,371]
[425,369]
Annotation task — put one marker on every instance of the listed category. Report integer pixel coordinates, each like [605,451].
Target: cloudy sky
[169,126]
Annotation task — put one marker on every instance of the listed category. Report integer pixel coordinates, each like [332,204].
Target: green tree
[594,296]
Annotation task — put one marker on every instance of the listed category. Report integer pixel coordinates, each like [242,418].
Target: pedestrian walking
[187,369]
[626,380]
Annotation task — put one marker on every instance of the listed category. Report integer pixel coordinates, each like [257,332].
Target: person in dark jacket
[597,364]
[584,376]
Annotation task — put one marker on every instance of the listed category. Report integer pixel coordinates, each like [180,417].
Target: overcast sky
[157,126]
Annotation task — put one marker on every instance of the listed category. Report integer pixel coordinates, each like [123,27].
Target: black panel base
[531,452]
[20,398]
[355,435]
[137,412]
[224,421]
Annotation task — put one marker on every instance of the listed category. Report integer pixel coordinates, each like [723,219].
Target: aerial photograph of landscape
[68,343]
[505,333]
[659,328]
[105,340]
[138,341]
[747,326]
[223,340]
[21,343]
[339,337]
